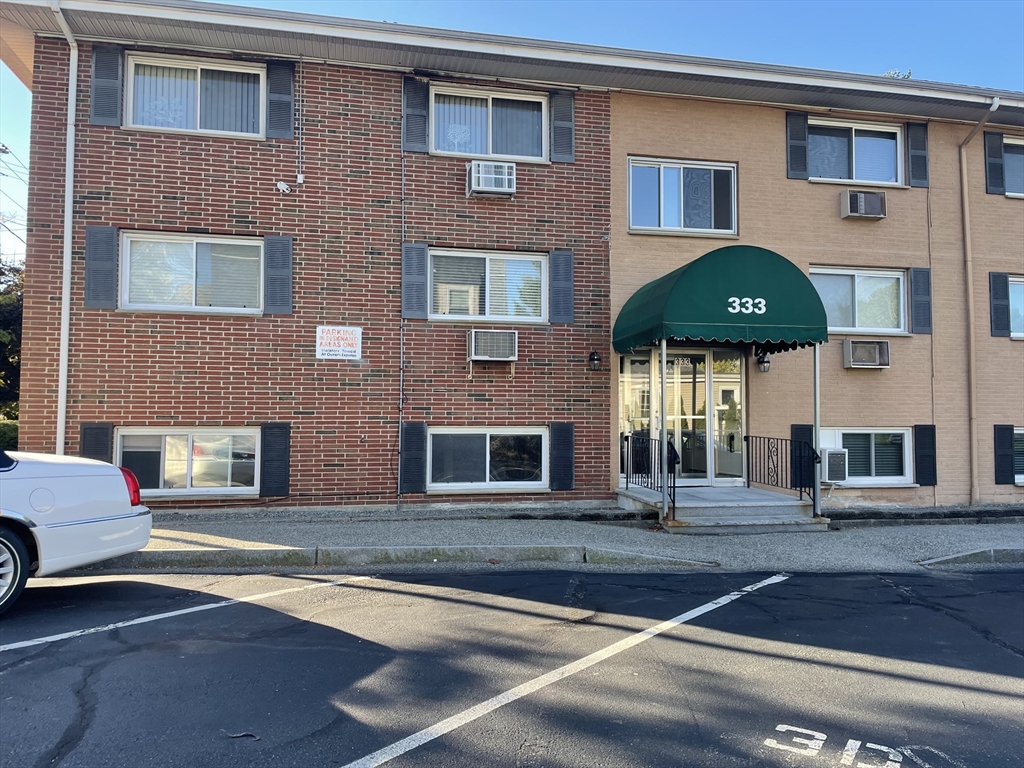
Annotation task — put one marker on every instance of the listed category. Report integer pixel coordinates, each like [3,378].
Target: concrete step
[720,525]
[734,505]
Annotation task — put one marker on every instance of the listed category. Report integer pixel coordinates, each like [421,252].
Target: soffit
[194,25]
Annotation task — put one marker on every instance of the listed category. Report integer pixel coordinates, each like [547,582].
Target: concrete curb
[980,556]
[272,558]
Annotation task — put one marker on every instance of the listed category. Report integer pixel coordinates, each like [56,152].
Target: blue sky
[972,43]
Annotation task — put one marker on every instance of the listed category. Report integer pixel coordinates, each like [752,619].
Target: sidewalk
[273,541]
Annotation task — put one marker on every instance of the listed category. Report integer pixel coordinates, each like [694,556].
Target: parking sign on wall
[336,342]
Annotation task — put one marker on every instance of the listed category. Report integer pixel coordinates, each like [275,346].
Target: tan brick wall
[927,382]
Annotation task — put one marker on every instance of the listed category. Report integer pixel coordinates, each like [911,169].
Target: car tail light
[134,494]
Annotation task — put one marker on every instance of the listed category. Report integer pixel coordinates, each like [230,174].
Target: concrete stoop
[729,511]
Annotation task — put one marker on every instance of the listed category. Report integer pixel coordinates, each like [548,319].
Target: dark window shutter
[96,441]
[995,180]
[561,291]
[801,457]
[414,457]
[920,300]
[414,281]
[275,458]
[100,267]
[999,303]
[796,145]
[562,469]
[1004,454]
[415,114]
[105,87]
[925,465]
[917,153]
[277,275]
[563,146]
[280,100]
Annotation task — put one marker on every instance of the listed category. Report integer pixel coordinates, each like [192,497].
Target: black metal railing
[642,457]
[779,462]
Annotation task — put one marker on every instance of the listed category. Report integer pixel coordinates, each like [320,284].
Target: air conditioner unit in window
[862,205]
[859,353]
[484,177]
[834,465]
[493,345]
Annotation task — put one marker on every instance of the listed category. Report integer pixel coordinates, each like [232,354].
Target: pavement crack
[86,699]
[908,596]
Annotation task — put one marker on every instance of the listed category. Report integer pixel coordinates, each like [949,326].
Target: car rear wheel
[13,567]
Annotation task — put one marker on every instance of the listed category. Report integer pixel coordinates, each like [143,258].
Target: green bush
[8,435]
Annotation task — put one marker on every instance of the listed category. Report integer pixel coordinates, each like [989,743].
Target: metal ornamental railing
[779,462]
[643,465]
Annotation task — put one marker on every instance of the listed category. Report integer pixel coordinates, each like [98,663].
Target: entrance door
[703,410]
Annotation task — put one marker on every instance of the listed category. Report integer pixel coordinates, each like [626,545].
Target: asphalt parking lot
[552,668]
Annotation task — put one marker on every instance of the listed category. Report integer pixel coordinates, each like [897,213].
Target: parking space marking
[172,614]
[420,738]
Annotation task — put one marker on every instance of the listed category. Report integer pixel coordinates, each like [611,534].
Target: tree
[895,73]
[12,283]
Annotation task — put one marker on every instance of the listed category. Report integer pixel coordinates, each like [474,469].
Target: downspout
[69,185]
[972,393]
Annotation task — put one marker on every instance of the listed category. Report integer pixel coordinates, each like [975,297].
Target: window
[470,286]
[866,301]
[1013,165]
[858,152]
[502,457]
[206,96]
[185,462]
[875,456]
[682,197]
[1018,456]
[1017,307]
[186,273]
[489,124]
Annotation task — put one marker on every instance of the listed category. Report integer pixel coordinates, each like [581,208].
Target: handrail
[779,462]
[643,465]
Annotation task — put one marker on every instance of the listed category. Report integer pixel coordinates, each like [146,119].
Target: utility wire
[13,201]
[5,150]
[13,233]
[13,170]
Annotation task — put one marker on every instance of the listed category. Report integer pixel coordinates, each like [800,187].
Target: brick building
[315,261]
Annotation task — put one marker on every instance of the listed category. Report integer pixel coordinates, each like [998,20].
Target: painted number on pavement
[803,741]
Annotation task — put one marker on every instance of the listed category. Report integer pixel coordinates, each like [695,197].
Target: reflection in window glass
[671,194]
[227,275]
[515,458]
[515,288]
[697,198]
[1013,168]
[836,293]
[458,458]
[459,284]
[644,196]
[164,97]
[484,285]
[878,302]
[160,273]
[861,301]
[828,152]
[460,124]
[858,154]
[199,460]
[1017,307]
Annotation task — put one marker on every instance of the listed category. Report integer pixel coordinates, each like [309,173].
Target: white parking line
[409,743]
[172,614]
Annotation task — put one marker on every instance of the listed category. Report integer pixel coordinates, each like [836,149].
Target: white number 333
[747,305]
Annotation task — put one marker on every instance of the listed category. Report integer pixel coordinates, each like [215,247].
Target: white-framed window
[223,98]
[854,151]
[191,273]
[197,461]
[671,196]
[876,456]
[466,285]
[481,458]
[862,300]
[1018,455]
[1016,307]
[494,124]
[1013,165]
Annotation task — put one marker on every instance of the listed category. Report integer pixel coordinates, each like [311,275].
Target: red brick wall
[161,369]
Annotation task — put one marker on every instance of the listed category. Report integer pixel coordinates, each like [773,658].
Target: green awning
[740,294]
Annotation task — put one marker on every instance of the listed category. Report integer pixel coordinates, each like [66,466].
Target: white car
[61,512]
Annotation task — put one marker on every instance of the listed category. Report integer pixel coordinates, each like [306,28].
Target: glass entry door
[703,410]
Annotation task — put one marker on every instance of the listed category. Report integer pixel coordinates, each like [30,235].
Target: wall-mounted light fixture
[595,361]
[763,363]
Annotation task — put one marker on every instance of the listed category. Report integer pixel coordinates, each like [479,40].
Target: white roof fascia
[494,45]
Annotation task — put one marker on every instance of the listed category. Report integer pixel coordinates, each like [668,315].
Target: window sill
[194,495]
[855,183]
[463,491]
[187,132]
[191,312]
[672,233]
[1017,336]
[879,484]
[847,332]
[493,158]
[482,320]
[1016,195]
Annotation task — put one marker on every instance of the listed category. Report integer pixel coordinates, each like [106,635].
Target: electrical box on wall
[865,353]
[855,204]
